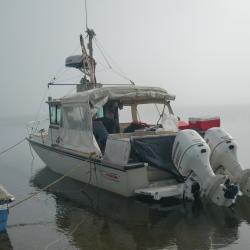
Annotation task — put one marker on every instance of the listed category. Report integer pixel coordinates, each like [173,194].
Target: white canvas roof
[79,107]
[127,94]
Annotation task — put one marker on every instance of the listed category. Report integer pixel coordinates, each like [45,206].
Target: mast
[85,62]
[91,34]
[88,59]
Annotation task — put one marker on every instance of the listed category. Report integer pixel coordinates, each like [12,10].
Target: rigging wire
[101,51]
[100,46]
[118,72]
[53,80]
[101,70]
[103,65]
[60,70]
[105,68]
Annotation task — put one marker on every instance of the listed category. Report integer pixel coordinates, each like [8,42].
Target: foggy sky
[198,50]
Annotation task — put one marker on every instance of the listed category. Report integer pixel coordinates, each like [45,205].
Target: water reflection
[95,219]
[242,209]
[5,243]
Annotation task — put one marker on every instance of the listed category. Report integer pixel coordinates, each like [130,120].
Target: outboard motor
[191,157]
[224,158]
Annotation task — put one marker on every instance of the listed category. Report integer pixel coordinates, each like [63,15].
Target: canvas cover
[76,132]
[157,151]
[127,94]
[79,108]
[169,122]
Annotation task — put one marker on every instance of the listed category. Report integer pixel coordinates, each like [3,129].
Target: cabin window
[125,114]
[77,118]
[150,113]
[55,114]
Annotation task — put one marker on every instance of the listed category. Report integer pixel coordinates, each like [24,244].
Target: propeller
[231,190]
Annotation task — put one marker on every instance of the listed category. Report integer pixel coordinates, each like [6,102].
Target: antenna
[86,15]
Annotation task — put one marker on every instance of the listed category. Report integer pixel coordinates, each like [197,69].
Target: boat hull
[92,172]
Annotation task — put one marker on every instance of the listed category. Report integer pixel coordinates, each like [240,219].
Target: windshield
[146,113]
[150,113]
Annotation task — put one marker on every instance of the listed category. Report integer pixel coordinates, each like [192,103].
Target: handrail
[34,126]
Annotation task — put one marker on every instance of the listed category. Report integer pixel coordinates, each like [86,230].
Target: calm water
[72,215]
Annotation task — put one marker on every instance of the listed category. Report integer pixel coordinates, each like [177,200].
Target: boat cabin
[92,115]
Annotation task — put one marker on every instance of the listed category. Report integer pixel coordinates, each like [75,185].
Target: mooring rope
[8,149]
[92,156]
[46,187]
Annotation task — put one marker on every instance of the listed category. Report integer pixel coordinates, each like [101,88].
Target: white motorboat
[87,141]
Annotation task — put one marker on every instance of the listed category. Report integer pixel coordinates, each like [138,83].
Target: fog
[197,50]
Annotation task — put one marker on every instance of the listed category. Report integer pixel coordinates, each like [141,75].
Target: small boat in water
[5,199]
[87,141]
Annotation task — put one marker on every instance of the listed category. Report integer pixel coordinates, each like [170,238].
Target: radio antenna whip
[86,15]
